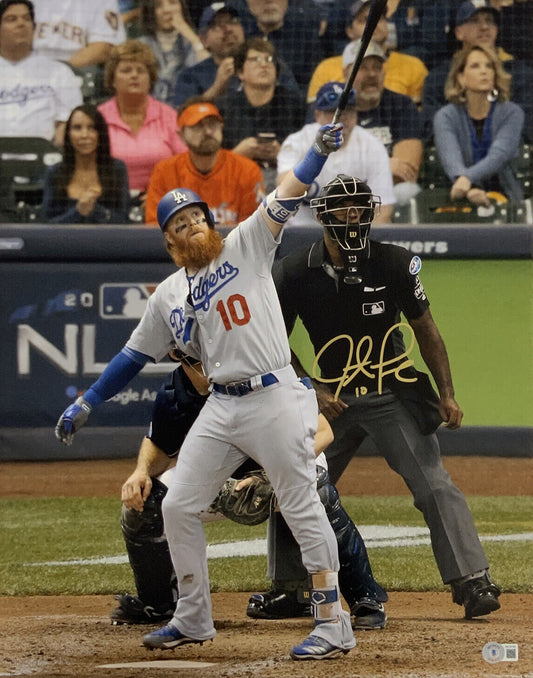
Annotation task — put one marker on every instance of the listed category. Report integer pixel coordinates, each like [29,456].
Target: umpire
[367,385]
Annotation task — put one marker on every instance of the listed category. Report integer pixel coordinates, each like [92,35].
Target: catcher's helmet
[176,200]
[341,192]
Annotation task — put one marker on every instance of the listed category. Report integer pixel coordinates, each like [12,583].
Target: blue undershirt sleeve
[120,371]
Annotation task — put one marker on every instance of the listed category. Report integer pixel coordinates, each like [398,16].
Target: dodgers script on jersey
[35,93]
[235,296]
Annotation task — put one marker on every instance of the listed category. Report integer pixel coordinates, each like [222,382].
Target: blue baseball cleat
[166,638]
[316,648]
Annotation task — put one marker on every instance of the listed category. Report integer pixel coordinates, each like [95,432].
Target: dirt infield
[365,476]
[425,636]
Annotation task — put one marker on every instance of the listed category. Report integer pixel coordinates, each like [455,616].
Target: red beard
[197,254]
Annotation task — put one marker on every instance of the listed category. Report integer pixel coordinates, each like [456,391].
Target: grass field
[38,532]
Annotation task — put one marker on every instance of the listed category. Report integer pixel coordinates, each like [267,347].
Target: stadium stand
[22,186]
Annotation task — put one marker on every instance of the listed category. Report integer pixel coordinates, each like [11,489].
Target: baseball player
[178,402]
[367,385]
[221,308]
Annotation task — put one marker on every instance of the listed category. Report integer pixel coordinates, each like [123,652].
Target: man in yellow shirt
[404,74]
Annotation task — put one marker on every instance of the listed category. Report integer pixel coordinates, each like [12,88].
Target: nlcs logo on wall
[124,300]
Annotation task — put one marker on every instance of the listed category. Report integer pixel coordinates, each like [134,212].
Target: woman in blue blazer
[478,133]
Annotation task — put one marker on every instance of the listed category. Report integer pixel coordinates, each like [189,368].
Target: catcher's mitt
[250,505]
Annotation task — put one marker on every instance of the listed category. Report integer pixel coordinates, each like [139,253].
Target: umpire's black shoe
[277,604]
[368,615]
[131,610]
[479,596]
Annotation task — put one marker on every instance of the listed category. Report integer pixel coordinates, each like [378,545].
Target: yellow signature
[363,364]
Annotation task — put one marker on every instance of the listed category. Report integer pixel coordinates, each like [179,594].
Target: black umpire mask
[345,207]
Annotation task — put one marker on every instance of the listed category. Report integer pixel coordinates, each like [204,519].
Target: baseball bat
[374,15]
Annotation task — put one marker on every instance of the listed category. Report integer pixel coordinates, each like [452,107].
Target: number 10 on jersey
[234,311]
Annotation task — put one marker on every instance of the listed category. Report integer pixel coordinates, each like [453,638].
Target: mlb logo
[374,308]
[124,300]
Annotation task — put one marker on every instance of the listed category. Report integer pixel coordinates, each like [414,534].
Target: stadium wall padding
[71,295]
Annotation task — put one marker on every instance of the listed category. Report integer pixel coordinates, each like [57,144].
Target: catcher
[247,498]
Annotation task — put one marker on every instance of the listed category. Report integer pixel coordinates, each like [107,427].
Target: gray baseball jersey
[233,295]
[232,313]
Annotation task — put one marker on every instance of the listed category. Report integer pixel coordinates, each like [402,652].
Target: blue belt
[240,388]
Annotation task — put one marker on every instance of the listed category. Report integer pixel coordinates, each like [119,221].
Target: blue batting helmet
[176,200]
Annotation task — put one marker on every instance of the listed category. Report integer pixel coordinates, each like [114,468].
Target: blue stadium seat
[523,167]
[403,214]
[522,212]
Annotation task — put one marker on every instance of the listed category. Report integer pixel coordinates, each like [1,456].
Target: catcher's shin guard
[285,567]
[290,595]
[148,552]
[356,580]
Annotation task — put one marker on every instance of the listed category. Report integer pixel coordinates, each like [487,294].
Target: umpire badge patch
[415,265]
[374,308]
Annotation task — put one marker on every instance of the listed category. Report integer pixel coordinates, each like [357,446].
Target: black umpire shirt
[354,328]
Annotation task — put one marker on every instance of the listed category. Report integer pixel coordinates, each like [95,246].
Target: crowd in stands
[166,27]
[140,96]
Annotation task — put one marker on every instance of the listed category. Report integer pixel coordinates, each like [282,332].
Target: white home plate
[162,664]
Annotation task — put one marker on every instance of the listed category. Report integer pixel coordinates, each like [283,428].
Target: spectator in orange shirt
[231,184]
